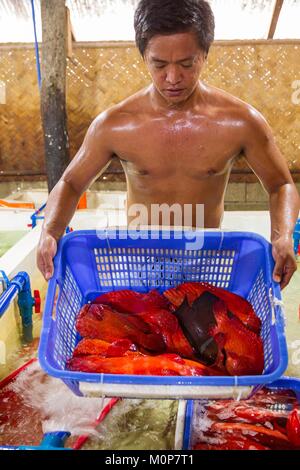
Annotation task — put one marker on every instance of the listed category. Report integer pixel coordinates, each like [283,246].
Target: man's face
[175,63]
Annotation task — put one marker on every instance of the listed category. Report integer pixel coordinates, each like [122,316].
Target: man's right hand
[45,253]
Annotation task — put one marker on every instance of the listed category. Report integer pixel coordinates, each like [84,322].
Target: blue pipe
[35,216]
[15,286]
[54,439]
[297,237]
[7,297]
[50,441]
[36,46]
[20,284]
[25,303]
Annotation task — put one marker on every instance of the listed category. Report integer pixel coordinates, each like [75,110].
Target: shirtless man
[178,138]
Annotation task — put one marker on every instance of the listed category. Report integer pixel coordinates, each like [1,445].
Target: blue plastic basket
[285,383]
[89,263]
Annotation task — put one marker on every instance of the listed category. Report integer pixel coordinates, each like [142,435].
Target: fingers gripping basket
[89,263]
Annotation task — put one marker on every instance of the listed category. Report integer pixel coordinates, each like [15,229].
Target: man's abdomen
[198,205]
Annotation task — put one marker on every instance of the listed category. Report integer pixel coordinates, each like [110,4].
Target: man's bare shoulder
[127,111]
[233,108]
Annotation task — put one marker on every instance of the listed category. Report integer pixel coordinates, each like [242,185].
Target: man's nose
[173,75]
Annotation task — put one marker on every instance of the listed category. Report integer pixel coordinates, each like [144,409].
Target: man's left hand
[285,262]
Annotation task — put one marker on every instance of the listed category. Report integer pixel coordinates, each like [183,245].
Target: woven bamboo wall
[261,74]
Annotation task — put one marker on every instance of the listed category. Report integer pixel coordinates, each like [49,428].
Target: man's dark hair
[164,17]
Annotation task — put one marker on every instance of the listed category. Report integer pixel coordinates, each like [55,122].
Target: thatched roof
[106,20]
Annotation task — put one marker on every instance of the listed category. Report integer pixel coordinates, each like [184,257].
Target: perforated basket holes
[259,299]
[55,303]
[68,306]
[162,268]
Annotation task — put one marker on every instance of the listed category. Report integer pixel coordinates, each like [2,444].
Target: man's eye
[187,66]
[159,66]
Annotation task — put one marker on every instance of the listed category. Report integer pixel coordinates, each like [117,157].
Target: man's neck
[159,103]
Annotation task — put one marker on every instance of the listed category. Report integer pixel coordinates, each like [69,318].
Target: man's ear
[203,55]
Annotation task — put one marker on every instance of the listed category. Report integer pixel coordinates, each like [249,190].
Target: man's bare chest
[179,148]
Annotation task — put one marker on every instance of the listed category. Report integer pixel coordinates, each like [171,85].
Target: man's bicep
[263,154]
[92,158]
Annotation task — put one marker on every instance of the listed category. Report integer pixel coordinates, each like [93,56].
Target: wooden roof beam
[275,18]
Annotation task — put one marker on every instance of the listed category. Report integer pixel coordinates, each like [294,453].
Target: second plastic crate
[190,424]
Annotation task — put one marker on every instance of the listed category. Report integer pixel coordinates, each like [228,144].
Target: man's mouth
[174,91]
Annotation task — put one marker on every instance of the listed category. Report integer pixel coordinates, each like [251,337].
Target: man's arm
[267,162]
[92,158]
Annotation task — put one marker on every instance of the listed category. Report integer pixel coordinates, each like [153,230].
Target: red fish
[166,324]
[138,364]
[237,305]
[259,415]
[119,348]
[219,338]
[237,425]
[203,327]
[129,301]
[196,321]
[153,309]
[231,444]
[244,411]
[102,322]
[263,435]
[243,349]
[293,428]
